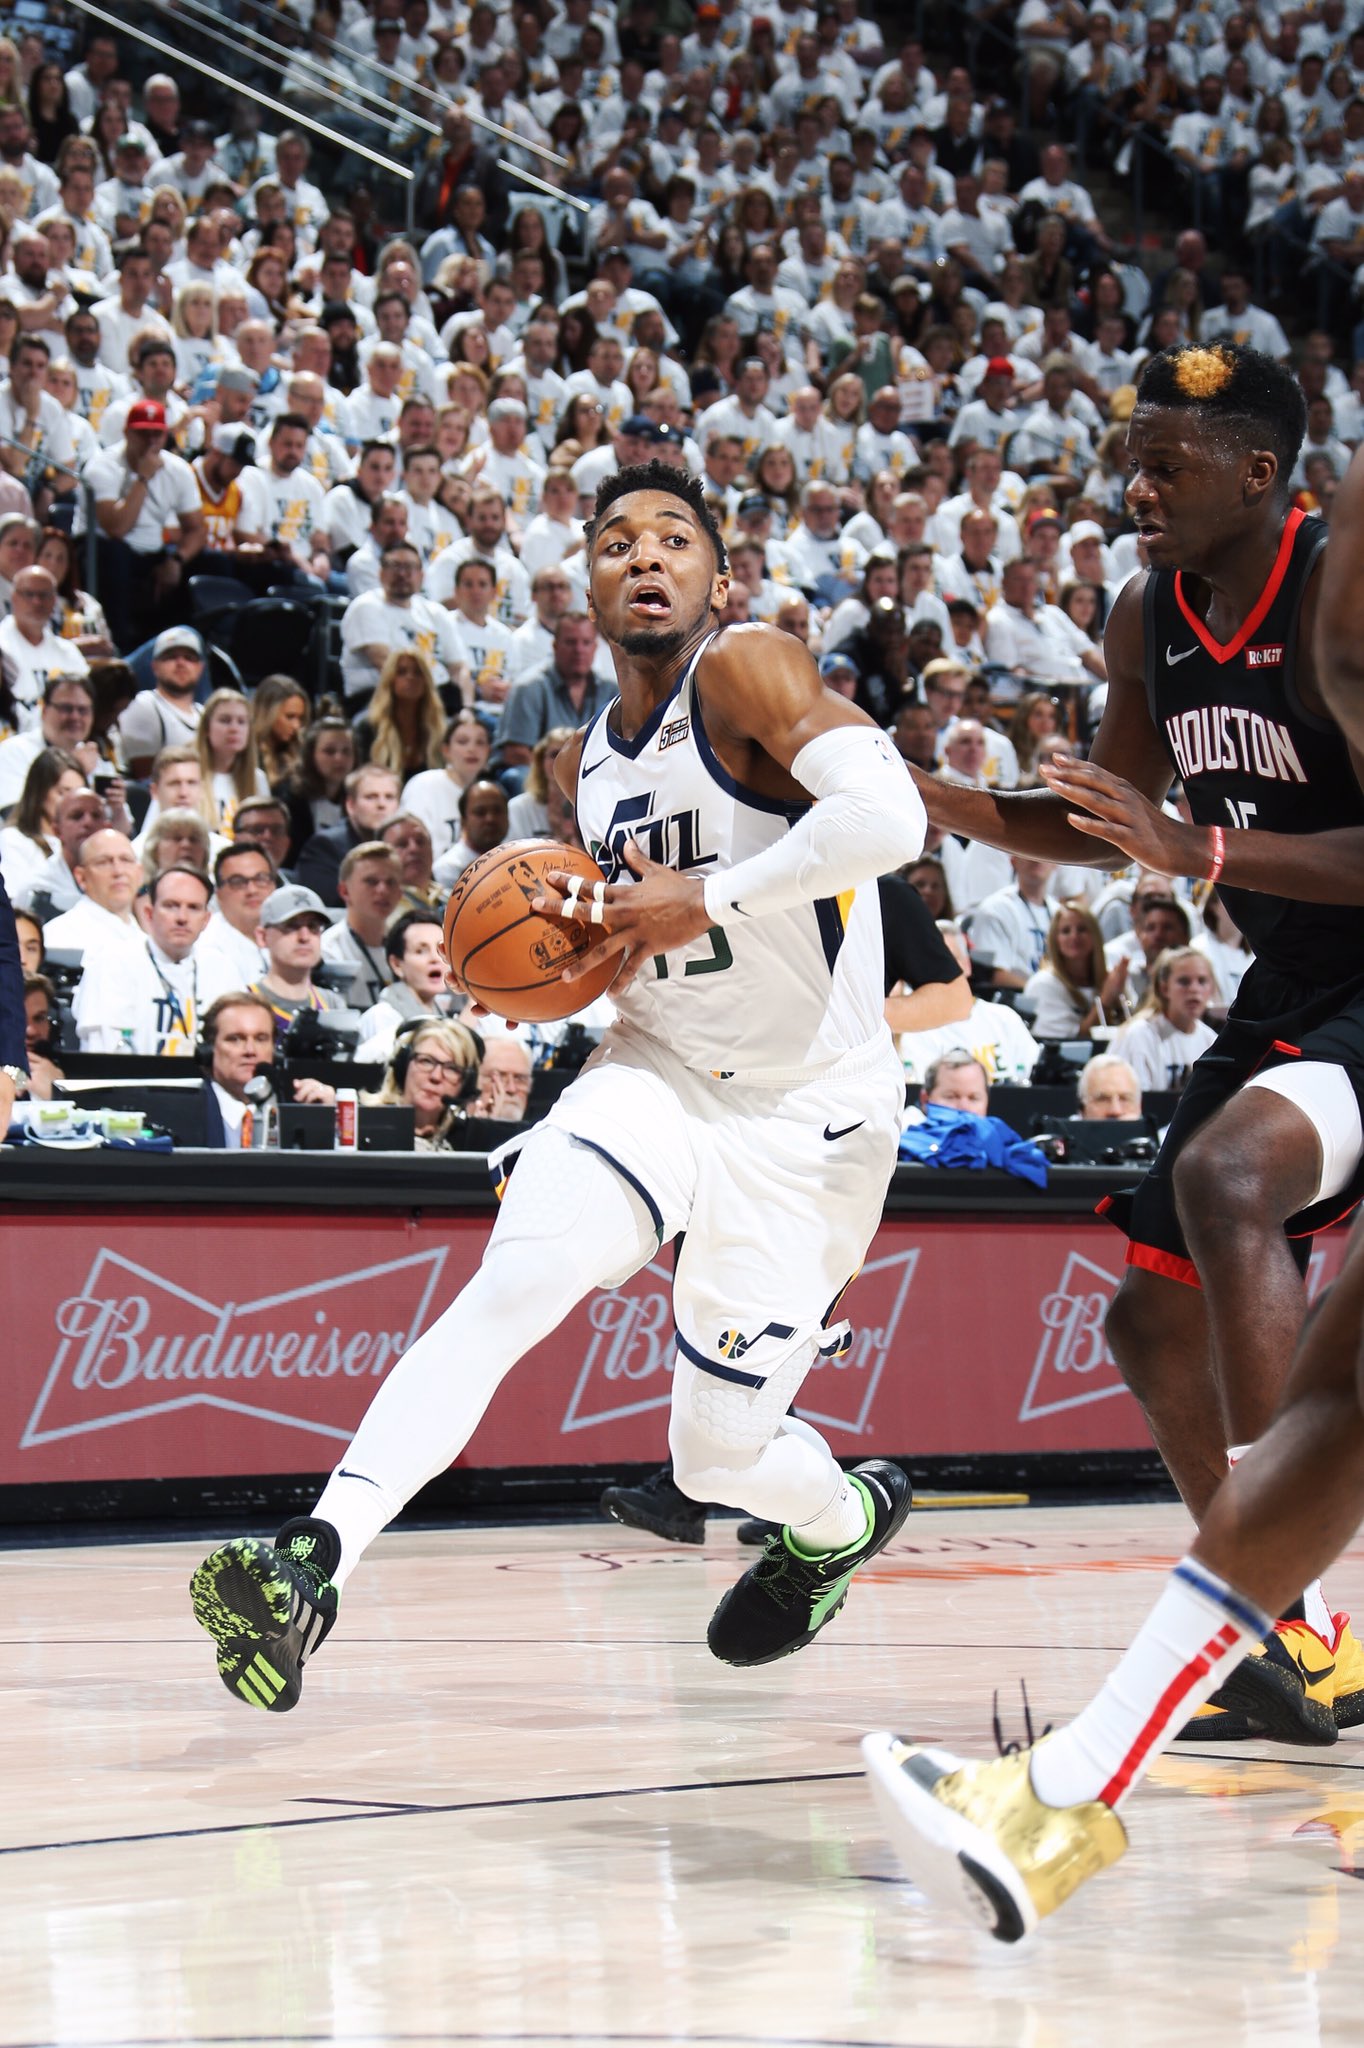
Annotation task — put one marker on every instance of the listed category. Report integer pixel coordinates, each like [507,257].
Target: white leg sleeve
[735,1446]
[568,1223]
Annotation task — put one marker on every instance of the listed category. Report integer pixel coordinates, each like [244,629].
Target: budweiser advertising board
[151,1345]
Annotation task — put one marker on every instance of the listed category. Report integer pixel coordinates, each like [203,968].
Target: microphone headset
[405,1044]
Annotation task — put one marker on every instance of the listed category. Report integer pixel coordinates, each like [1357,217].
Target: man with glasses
[34,657]
[243,876]
[65,720]
[266,819]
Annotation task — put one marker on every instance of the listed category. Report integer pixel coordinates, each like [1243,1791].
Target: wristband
[1219,854]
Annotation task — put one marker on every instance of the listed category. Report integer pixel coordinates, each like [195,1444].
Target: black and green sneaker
[785,1599]
[659,1505]
[268,1606]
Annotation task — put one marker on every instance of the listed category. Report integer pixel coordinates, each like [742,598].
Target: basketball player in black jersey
[1212,679]
[1009,1841]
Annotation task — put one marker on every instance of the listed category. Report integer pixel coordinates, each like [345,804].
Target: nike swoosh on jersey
[363,1477]
[847,1128]
[600,762]
[1172,660]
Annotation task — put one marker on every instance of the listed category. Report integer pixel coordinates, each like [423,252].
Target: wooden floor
[520,1803]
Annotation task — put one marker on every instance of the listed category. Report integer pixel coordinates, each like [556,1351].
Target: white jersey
[769,999]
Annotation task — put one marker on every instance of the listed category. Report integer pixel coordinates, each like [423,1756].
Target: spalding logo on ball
[510,957]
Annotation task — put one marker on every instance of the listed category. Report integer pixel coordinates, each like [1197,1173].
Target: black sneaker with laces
[659,1506]
[785,1599]
[268,1606]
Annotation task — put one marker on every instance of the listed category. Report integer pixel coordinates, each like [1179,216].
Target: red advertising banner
[152,1345]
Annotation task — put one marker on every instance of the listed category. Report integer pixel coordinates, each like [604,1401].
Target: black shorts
[1275,1019]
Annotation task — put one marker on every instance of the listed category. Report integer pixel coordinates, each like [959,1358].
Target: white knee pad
[719,1423]
[565,1194]
[1326,1098]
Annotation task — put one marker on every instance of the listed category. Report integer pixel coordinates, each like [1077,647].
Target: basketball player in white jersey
[749,1094]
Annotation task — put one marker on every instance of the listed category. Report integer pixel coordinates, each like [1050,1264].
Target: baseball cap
[282,906]
[1044,516]
[176,636]
[999,366]
[1086,529]
[148,414]
[942,666]
[828,663]
[667,435]
[755,502]
[640,427]
[707,11]
[232,442]
[236,377]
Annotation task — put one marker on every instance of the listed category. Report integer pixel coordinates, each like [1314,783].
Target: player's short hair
[673,483]
[1243,387]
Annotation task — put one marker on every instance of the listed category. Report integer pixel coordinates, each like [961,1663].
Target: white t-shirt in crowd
[171,493]
[433,796]
[1158,1055]
[29,666]
[992,1033]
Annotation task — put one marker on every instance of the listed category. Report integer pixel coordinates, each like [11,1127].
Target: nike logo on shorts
[847,1128]
[1172,660]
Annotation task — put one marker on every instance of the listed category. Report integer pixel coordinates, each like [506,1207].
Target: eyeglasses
[448,1069]
[246,882]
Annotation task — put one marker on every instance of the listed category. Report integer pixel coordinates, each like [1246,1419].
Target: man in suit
[239,1037]
[371,798]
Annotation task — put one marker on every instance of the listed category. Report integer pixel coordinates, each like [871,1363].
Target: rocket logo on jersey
[672,841]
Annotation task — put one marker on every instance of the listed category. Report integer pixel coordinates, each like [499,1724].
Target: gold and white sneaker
[977,1840]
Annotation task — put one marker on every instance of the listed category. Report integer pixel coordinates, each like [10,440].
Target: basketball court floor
[521,1804]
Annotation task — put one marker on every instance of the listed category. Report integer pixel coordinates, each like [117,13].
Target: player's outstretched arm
[1038,822]
[1339,646]
[775,725]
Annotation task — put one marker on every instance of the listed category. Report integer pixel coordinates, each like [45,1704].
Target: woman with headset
[433,1068]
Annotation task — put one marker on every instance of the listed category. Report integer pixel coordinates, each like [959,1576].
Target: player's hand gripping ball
[510,957]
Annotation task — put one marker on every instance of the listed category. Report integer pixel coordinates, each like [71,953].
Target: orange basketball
[511,958]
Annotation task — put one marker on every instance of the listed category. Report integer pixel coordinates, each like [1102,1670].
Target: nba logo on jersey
[1264,657]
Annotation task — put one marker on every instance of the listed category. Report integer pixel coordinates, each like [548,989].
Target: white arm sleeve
[867,819]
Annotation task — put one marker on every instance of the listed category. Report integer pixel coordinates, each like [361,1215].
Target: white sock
[1315,1606]
[568,1223]
[844,1522]
[1197,1632]
[1317,1610]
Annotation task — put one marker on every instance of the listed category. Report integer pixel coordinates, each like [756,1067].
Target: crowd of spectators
[875,311]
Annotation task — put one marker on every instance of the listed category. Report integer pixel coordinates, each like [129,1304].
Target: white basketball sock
[1197,1632]
[1315,1606]
[844,1522]
[568,1223]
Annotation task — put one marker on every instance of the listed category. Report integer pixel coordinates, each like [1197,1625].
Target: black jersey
[1249,755]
